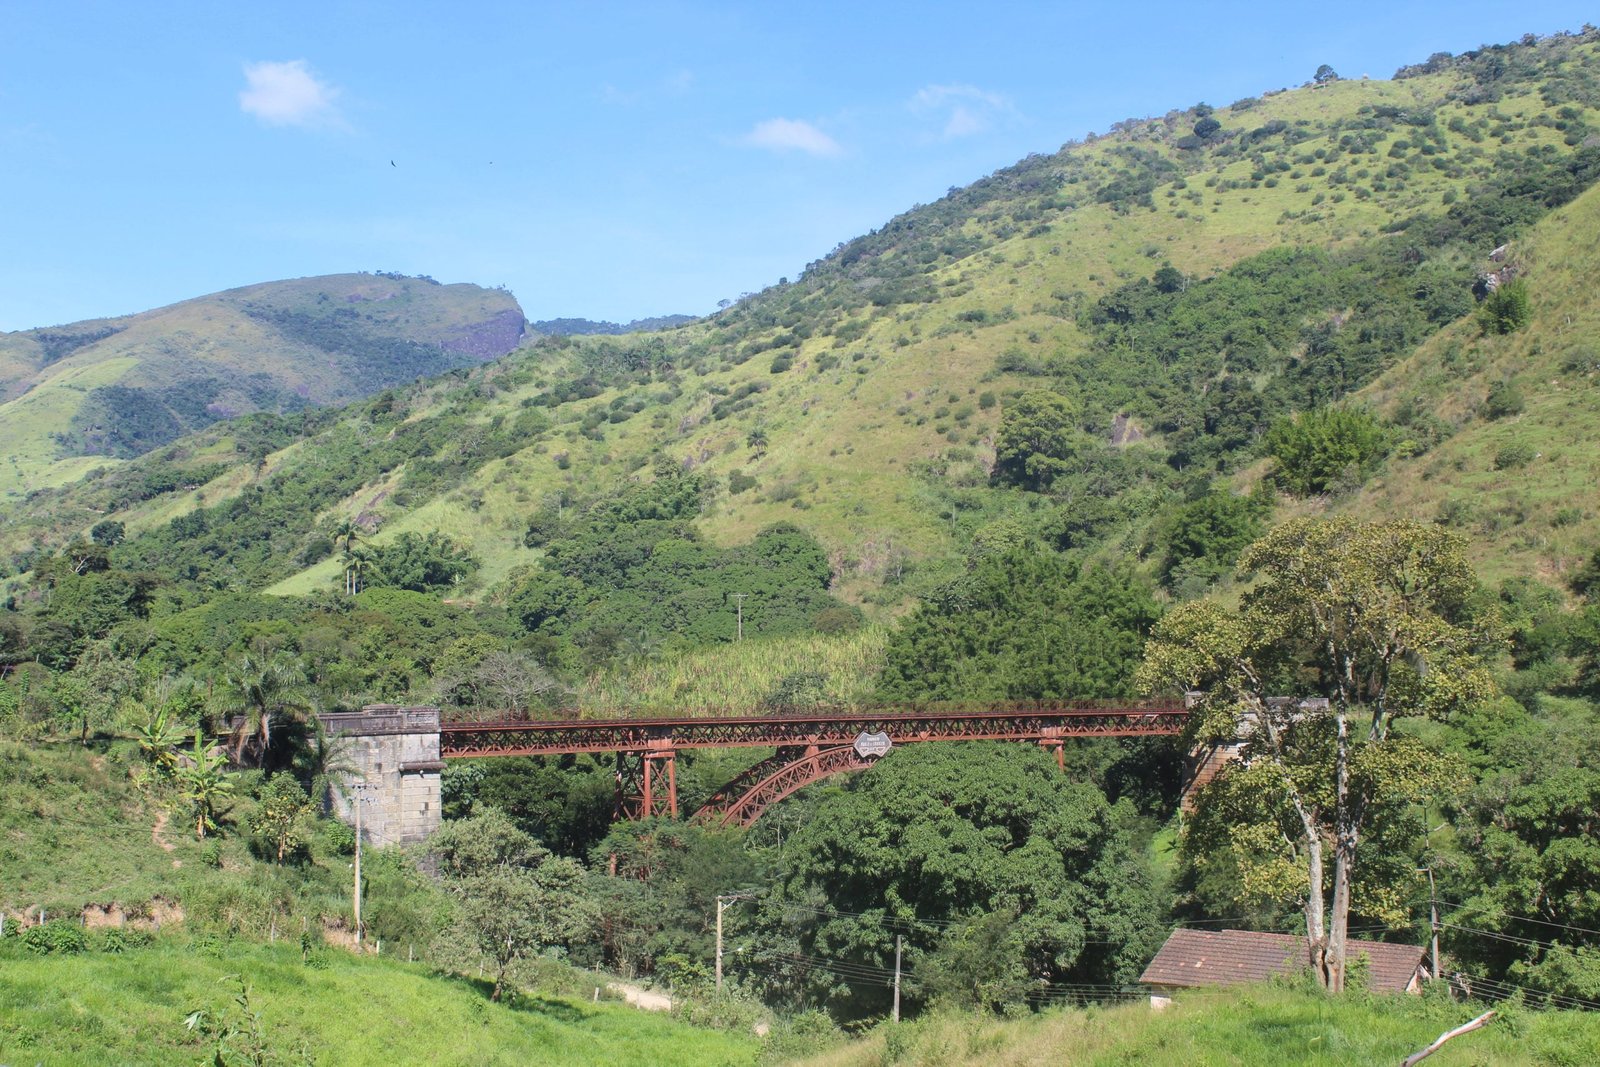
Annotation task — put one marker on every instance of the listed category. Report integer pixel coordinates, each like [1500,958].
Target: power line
[1521,918]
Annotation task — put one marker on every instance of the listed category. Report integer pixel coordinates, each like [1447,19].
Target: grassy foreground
[129,1008]
[1265,1026]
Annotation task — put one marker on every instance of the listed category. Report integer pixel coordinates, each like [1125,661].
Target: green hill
[1180,283]
[75,396]
[131,1007]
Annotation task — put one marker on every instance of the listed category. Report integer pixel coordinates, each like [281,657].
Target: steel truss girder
[813,730]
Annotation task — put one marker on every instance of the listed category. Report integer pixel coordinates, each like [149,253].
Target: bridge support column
[1059,748]
[395,753]
[647,782]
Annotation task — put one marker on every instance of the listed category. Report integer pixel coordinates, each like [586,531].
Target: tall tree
[937,834]
[261,688]
[1370,616]
[515,898]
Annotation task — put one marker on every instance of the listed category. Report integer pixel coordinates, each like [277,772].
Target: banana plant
[204,783]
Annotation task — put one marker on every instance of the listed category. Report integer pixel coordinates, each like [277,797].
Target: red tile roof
[1227,957]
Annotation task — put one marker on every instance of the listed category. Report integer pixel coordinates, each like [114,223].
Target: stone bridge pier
[394,752]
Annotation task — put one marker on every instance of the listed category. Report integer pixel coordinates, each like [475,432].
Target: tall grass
[739,678]
[1240,1028]
[130,1007]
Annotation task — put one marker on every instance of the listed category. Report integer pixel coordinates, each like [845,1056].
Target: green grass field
[130,1007]
[1269,1027]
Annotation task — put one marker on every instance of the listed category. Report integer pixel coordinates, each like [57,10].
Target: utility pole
[361,798]
[723,902]
[1433,920]
[897,977]
[739,597]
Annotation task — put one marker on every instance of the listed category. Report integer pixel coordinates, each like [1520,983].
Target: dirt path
[641,998]
[158,830]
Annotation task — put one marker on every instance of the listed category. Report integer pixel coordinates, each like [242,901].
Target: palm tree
[358,561]
[346,534]
[259,688]
[326,762]
[203,784]
[757,441]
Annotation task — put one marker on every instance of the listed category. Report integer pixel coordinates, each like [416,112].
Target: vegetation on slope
[241,1003]
[120,388]
[1019,421]
[1265,1026]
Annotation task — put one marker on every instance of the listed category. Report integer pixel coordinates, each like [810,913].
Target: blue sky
[606,160]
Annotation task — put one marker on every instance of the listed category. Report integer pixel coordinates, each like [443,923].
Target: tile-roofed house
[1228,957]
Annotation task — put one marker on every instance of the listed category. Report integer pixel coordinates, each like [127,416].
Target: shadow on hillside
[531,1003]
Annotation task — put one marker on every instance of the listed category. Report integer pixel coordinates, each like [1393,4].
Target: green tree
[1371,617]
[1526,862]
[1022,623]
[1506,309]
[979,964]
[261,688]
[940,834]
[514,898]
[1326,449]
[108,532]
[158,733]
[284,819]
[421,562]
[1039,440]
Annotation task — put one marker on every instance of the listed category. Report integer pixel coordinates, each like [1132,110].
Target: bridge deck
[902,724]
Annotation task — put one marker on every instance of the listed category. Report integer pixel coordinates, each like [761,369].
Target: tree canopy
[1373,618]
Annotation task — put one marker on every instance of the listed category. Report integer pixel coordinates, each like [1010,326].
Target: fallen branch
[1465,1028]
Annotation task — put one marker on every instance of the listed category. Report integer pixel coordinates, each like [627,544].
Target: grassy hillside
[1243,1027]
[116,388]
[1177,288]
[874,386]
[130,1008]
[1517,476]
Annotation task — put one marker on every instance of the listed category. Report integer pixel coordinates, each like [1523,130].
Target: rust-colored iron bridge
[810,744]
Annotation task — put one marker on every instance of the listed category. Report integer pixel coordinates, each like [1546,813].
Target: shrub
[1328,448]
[1506,309]
[739,481]
[1513,455]
[59,937]
[1504,399]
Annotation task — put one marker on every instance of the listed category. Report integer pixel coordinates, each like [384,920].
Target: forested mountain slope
[983,453]
[1075,347]
[72,396]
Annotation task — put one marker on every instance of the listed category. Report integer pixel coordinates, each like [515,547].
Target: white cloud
[288,94]
[792,135]
[966,109]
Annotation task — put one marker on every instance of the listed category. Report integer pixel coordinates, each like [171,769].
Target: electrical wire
[1519,918]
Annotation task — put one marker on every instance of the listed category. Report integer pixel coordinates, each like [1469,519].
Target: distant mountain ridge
[120,387]
[574,327]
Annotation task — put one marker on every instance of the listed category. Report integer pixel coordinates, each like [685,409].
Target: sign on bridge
[871,746]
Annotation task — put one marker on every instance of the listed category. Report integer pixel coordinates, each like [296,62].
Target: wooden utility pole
[739,603]
[897,977]
[721,903]
[1433,920]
